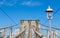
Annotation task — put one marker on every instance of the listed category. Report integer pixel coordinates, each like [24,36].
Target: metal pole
[50,28]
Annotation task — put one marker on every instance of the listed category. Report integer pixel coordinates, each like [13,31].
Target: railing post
[47,35]
[3,33]
[10,32]
[54,34]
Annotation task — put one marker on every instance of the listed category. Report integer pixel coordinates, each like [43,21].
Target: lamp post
[49,12]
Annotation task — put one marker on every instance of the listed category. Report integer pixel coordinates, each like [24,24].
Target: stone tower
[28,26]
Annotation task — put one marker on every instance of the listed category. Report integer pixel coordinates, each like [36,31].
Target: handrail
[9,26]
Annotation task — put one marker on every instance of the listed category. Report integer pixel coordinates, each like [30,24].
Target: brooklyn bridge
[30,29]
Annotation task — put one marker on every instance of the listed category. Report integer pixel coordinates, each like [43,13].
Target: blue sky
[28,9]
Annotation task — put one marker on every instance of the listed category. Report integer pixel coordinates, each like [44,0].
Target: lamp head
[49,13]
[49,9]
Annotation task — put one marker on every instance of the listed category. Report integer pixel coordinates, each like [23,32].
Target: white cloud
[25,3]
[30,3]
[8,2]
[16,32]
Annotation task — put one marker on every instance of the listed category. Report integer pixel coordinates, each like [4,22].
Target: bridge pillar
[3,33]
[54,34]
[10,32]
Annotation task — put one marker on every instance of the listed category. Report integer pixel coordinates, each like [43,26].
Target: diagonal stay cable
[56,11]
[7,15]
[9,18]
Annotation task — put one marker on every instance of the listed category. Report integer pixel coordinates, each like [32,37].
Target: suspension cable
[51,27]
[9,26]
